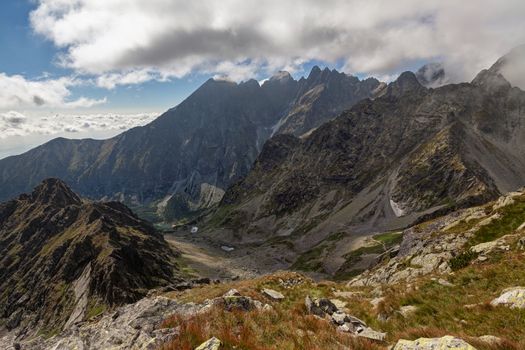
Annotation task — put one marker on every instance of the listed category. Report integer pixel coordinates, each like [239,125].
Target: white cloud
[131,41]
[18,92]
[111,80]
[14,123]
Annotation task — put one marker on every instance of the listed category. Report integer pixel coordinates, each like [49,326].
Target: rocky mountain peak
[281,76]
[491,80]
[54,192]
[179,155]
[432,75]
[314,72]
[407,82]
[512,67]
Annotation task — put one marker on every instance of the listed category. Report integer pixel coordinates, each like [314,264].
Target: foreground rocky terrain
[64,259]
[453,282]
[183,161]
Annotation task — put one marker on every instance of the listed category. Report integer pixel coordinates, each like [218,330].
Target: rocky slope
[471,236]
[382,165]
[64,259]
[183,161]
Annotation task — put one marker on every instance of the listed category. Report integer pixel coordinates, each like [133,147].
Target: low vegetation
[512,216]
[462,260]
[286,326]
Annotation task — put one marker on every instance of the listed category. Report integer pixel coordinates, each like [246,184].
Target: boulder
[503,202]
[327,306]
[319,307]
[407,310]
[231,293]
[490,339]
[272,294]
[345,328]
[484,248]
[312,307]
[210,344]
[340,318]
[369,333]
[338,303]
[446,342]
[511,297]
[444,282]
[233,300]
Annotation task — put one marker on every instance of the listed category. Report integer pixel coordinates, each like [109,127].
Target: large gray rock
[233,300]
[447,342]
[369,333]
[210,344]
[320,307]
[273,294]
[511,297]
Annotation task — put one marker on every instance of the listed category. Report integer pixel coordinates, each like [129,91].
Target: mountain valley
[322,213]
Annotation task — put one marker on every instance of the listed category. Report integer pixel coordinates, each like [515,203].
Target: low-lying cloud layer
[13,123]
[132,41]
[20,132]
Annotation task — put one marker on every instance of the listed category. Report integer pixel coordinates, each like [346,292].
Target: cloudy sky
[92,68]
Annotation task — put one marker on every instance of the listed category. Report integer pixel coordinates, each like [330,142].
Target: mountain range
[407,155]
[184,160]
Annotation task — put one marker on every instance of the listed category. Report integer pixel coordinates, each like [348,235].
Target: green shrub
[462,260]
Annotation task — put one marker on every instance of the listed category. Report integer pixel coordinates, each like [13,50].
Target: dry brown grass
[261,330]
[286,326]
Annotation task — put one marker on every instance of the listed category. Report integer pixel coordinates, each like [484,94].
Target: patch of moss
[389,238]
[95,310]
[311,260]
[512,216]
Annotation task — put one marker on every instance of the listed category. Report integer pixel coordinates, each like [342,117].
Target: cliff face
[183,161]
[64,259]
[386,162]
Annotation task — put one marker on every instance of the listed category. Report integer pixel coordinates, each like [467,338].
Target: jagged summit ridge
[55,192]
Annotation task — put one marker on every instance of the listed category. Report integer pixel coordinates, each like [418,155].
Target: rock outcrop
[210,344]
[449,242]
[344,322]
[134,326]
[446,342]
[512,297]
